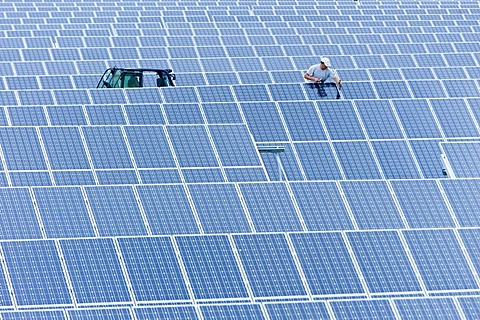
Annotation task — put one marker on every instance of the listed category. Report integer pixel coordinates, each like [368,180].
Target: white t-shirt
[325,75]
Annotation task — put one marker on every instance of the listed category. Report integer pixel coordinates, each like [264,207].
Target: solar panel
[362,309]
[36,273]
[327,265]
[270,207]
[357,160]
[269,265]
[464,158]
[462,197]
[104,280]
[440,269]
[379,120]
[395,160]
[379,212]
[153,269]
[372,250]
[427,308]
[215,273]
[167,209]
[36,314]
[299,310]
[177,313]
[134,195]
[219,208]
[115,217]
[417,119]
[64,212]
[106,313]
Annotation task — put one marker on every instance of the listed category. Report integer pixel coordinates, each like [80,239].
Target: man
[321,73]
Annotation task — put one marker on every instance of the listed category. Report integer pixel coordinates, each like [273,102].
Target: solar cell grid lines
[155,202]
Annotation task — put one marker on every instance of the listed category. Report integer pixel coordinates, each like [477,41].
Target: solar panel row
[359,309]
[69,212]
[398,245]
[242,267]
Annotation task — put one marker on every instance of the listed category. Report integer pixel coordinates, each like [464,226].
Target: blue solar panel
[378,119]
[167,209]
[66,115]
[64,148]
[283,92]
[153,269]
[107,314]
[395,159]
[341,120]
[326,263]
[299,310]
[21,83]
[22,149]
[63,212]
[7,98]
[145,95]
[94,271]
[105,114]
[234,145]
[17,207]
[464,157]
[178,95]
[423,204]
[150,147]
[427,153]
[454,118]
[384,262]
[27,116]
[192,146]
[264,122]
[183,113]
[203,175]
[251,93]
[219,208]
[69,178]
[115,211]
[117,177]
[211,267]
[144,114]
[37,314]
[269,265]
[216,94]
[69,97]
[358,90]
[270,207]
[362,309]
[440,269]
[310,153]
[427,308]
[302,121]
[392,90]
[463,197]
[417,119]
[36,273]
[166,313]
[357,160]
[470,306]
[218,113]
[427,89]
[107,147]
[322,206]
[379,211]
[232,311]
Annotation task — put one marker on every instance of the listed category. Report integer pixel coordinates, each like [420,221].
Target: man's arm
[311,78]
[337,80]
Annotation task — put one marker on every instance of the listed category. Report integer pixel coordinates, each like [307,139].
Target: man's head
[324,63]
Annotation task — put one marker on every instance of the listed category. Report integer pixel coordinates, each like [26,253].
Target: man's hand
[339,83]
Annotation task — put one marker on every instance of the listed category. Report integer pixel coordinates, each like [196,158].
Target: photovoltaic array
[155,203]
